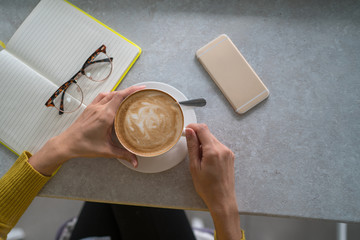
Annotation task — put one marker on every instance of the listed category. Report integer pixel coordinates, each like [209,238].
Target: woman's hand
[212,171]
[88,136]
[211,166]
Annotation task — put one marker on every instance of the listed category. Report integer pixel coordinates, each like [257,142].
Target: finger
[124,154]
[203,133]
[130,90]
[108,97]
[99,97]
[121,95]
[194,149]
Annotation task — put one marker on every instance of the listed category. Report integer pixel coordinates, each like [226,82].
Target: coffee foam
[149,122]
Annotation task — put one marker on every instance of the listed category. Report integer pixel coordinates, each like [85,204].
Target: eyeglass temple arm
[61,111]
[97,61]
[102,60]
[102,49]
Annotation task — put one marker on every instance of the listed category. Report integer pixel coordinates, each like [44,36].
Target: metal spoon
[198,102]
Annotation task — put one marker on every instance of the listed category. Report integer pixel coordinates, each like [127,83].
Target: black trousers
[122,222]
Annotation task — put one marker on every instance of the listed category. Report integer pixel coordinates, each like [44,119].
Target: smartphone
[234,76]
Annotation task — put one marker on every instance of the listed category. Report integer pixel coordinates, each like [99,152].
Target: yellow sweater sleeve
[18,187]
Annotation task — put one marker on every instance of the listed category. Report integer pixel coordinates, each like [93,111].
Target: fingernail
[183,133]
[134,163]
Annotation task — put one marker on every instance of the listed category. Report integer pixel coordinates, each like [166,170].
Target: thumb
[193,145]
[124,154]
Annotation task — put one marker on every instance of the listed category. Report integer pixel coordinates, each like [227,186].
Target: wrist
[58,148]
[50,157]
[227,221]
[225,209]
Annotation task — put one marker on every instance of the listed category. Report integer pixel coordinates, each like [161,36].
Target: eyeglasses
[97,68]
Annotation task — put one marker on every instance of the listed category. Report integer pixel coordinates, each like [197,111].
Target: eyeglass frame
[73,80]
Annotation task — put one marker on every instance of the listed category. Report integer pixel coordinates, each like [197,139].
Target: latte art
[149,122]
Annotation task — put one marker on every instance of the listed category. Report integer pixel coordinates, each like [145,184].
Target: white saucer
[178,153]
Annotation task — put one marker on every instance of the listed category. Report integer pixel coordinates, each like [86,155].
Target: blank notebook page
[56,39]
[25,122]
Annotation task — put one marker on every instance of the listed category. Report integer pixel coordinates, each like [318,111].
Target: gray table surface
[297,153]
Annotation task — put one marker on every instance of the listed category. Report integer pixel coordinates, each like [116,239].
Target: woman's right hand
[89,136]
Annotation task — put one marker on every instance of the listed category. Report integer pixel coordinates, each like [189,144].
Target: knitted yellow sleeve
[18,187]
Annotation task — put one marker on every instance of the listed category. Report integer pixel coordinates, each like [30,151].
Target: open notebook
[50,46]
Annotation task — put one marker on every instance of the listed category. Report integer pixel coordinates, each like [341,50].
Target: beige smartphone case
[232,74]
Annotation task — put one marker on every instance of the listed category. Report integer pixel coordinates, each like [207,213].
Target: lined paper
[56,39]
[50,46]
[25,122]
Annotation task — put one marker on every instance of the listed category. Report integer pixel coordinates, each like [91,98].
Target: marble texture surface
[297,153]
